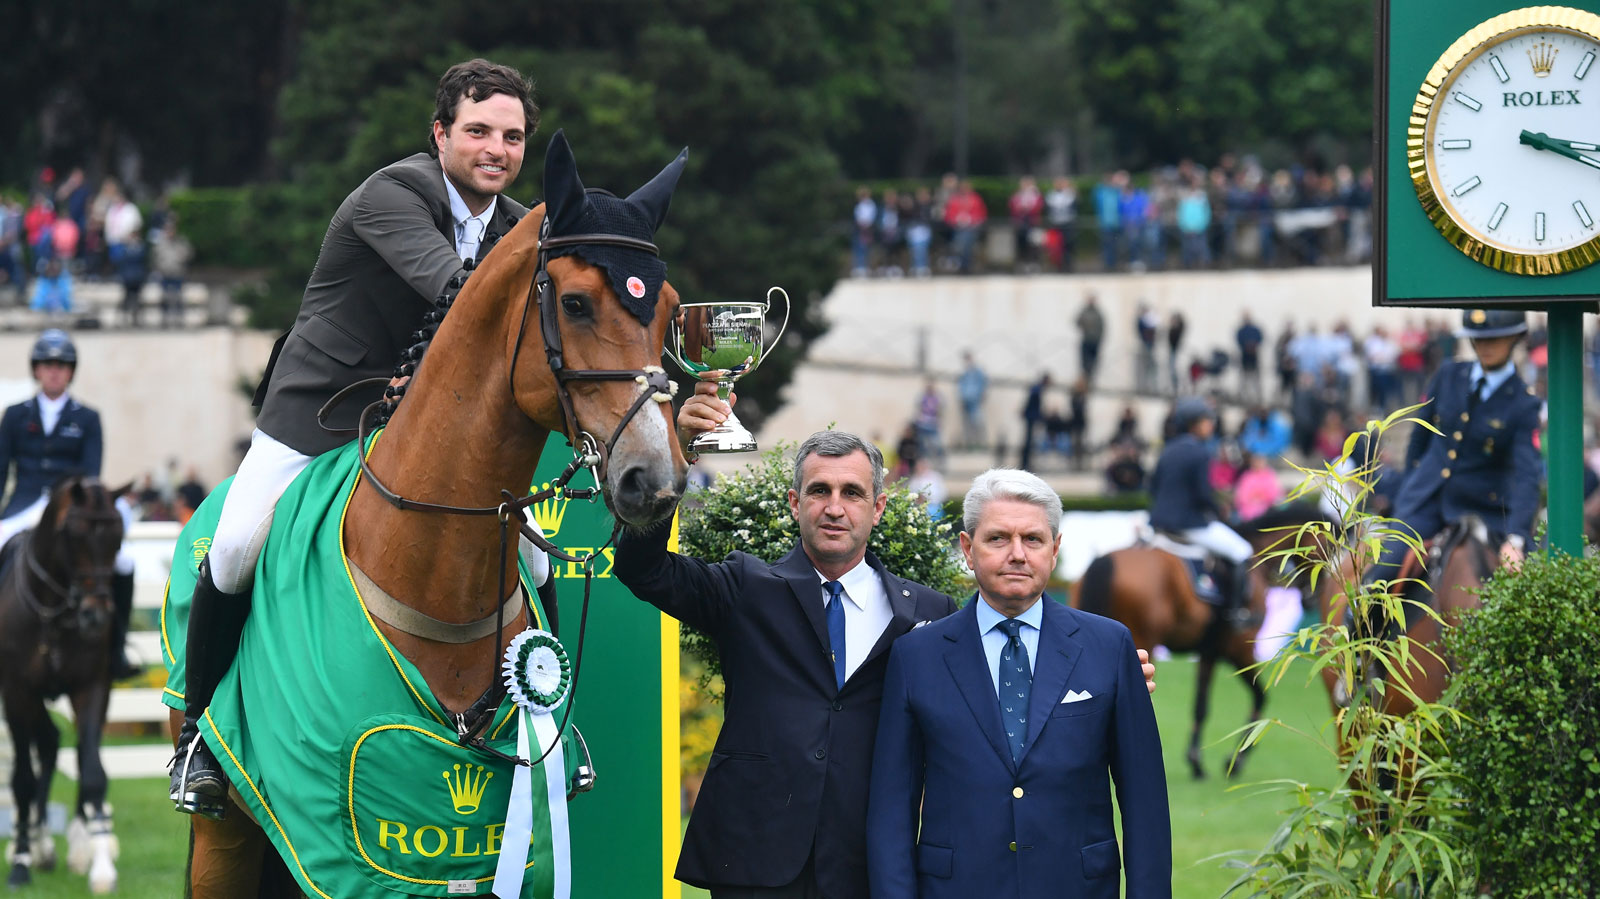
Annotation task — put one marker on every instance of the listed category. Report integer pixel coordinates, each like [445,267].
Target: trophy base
[728,437]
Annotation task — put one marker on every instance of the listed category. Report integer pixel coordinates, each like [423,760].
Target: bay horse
[1151,591]
[534,344]
[55,632]
[1460,559]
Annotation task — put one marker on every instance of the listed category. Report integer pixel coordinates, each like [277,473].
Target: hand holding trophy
[722,342]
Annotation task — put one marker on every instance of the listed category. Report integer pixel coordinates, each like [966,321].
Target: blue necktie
[836,628]
[1016,684]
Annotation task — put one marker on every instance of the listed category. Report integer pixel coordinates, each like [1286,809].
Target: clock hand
[1542,141]
[1575,144]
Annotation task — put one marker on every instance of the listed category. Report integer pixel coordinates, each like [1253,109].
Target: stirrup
[209,797]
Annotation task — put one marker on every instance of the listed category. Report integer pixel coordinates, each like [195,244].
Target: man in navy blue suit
[1000,725]
[804,641]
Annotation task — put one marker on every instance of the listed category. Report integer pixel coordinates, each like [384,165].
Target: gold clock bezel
[1419,139]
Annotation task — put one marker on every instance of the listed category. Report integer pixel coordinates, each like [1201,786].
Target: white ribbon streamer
[519,812]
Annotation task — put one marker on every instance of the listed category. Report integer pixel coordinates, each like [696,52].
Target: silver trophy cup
[723,342]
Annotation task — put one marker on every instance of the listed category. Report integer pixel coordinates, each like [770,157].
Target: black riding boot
[122,609]
[216,620]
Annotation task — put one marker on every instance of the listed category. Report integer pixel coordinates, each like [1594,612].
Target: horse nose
[644,496]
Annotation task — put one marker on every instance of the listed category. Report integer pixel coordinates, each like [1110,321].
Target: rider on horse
[50,437]
[407,234]
[1182,502]
[1484,461]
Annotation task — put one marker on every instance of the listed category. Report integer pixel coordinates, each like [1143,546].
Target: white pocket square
[1075,696]
[918,624]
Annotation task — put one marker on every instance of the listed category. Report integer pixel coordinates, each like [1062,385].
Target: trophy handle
[787,306]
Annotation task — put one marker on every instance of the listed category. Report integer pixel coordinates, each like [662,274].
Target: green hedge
[1529,680]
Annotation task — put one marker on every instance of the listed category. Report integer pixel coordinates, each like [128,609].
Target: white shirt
[995,639]
[50,411]
[866,612]
[469,228]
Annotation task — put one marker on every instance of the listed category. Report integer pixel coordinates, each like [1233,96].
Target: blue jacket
[1180,490]
[788,776]
[1041,827]
[1485,463]
[1269,437]
[41,459]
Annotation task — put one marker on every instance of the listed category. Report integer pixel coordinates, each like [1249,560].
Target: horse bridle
[69,614]
[588,453]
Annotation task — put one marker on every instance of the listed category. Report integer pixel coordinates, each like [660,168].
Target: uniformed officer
[49,437]
[1483,461]
[1181,498]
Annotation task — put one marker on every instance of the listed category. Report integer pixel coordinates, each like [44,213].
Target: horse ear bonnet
[636,276]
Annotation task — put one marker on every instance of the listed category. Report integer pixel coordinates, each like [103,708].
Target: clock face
[1510,147]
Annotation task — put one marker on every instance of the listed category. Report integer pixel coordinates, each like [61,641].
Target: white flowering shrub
[749,511]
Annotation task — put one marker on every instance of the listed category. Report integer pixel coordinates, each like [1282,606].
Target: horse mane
[522,238]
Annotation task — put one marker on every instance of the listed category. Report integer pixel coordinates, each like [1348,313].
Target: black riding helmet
[1477,323]
[54,346]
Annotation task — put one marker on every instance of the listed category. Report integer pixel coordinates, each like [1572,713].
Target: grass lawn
[1206,819]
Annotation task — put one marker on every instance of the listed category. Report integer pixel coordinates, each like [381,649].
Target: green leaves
[1529,678]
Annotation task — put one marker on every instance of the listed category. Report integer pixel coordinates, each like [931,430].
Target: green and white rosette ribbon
[538,675]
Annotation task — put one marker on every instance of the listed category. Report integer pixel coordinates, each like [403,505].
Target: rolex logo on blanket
[334,742]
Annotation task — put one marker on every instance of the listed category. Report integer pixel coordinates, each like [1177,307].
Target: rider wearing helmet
[395,243]
[1181,497]
[1483,461]
[49,437]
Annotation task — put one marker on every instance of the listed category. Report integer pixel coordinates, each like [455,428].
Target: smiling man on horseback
[408,233]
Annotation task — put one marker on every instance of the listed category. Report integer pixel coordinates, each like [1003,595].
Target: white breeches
[267,470]
[1220,540]
[31,516]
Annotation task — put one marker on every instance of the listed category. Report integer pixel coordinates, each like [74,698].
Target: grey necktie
[471,238]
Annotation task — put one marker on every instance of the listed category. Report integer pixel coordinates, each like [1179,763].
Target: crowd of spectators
[1233,214]
[76,230]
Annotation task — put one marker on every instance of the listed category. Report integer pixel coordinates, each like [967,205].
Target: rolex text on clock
[1504,141]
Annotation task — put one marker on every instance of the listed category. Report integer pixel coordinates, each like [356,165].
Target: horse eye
[576,305]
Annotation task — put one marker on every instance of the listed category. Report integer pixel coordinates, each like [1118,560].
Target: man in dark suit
[392,247]
[1182,501]
[783,809]
[1003,726]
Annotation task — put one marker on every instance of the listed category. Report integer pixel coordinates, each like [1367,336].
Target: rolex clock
[1503,145]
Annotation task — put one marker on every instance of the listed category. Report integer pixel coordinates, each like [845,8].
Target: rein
[588,453]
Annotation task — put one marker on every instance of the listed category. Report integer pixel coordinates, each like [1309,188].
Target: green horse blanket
[333,738]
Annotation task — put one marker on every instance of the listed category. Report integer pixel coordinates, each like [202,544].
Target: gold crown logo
[466,787]
[1543,57]
[548,513]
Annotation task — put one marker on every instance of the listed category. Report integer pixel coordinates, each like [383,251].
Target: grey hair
[839,443]
[1010,483]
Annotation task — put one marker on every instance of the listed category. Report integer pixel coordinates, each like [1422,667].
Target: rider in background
[1483,461]
[49,437]
[1182,501]
[394,245]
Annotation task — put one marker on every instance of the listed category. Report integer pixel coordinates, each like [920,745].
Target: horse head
[75,549]
[603,307]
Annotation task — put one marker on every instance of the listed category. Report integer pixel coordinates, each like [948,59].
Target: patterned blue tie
[836,628]
[1016,684]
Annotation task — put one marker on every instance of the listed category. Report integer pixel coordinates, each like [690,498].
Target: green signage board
[626,833]
[1492,112]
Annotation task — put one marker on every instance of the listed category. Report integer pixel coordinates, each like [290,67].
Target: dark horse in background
[55,627]
[1152,592]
